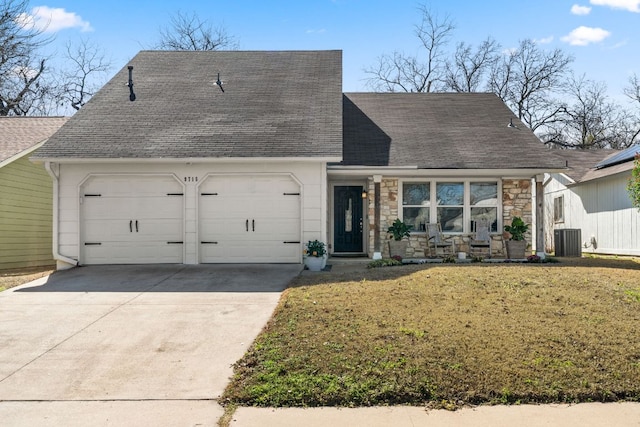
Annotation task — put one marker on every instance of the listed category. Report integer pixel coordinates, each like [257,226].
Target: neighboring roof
[608,171]
[19,133]
[580,162]
[274,104]
[438,131]
[621,157]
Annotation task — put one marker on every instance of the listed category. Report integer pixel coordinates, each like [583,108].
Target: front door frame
[365,216]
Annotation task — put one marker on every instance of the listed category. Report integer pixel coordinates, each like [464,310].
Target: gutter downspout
[56,255]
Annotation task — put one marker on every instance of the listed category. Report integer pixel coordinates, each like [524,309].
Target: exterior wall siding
[516,201]
[25,215]
[602,210]
[311,175]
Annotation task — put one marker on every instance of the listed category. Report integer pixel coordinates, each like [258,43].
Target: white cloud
[320,31]
[582,36]
[576,9]
[630,5]
[544,40]
[25,72]
[51,20]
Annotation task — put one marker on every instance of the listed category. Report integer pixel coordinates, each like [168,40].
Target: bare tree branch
[188,32]
[78,83]
[21,70]
[398,72]
[466,72]
[526,80]
[591,120]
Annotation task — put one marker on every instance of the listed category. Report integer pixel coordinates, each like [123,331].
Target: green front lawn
[450,335]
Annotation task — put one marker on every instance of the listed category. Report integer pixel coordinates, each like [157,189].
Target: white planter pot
[314,263]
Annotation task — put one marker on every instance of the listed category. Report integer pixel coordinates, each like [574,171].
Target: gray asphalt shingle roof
[581,162]
[274,104]
[20,133]
[438,131]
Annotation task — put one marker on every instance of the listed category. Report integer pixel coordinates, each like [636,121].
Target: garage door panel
[102,230]
[163,207]
[272,216]
[158,230]
[129,253]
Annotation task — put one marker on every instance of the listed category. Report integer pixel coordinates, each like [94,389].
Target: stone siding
[516,201]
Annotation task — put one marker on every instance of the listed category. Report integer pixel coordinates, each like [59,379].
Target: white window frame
[466,211]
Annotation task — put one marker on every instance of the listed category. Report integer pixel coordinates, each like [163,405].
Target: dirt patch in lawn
[12,278]
[450,335]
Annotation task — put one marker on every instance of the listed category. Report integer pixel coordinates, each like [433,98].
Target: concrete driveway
[130,345]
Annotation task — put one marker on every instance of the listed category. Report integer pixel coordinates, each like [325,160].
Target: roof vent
[219,83]
[132,96]
[511,125]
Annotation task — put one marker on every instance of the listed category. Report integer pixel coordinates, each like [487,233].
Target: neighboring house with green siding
[25,193]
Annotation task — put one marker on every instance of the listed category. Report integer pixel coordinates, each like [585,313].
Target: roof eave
[21,154]
[335,170]
[189,160]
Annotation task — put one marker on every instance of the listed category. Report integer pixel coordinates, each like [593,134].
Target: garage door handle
[291,241]
[253,225]
[136,225]
[247,225]
[209,243]
[131,226]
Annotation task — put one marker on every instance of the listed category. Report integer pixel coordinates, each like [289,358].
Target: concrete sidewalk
[582,415]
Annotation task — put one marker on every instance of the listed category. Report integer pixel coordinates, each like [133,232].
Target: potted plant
[516,245]
[398,231]
[315,255]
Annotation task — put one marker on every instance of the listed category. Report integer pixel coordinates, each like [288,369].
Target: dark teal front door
[348,219]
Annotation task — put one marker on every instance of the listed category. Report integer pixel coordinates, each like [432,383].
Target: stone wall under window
[516,201]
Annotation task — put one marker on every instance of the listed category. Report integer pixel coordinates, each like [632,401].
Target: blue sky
[602,35]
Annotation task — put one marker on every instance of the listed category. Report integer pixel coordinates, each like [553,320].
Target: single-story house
[591,196]
[244,156]
[25,193]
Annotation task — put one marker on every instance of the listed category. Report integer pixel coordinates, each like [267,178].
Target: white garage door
[249,219]
[130,219]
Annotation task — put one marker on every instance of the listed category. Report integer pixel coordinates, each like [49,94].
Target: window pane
[416,193]
[489,213]
[417,218]
[558,209]
[450,193]
[450,219]
[484,193]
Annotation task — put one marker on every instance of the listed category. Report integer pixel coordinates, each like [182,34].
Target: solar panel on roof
[621,157]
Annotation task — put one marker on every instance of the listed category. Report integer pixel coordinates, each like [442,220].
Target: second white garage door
[249,219]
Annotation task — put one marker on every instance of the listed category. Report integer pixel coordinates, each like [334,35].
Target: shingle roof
[438,131]
[580,162]
[20,133]
[274,104]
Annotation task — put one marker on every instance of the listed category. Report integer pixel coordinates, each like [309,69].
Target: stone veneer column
[516,201]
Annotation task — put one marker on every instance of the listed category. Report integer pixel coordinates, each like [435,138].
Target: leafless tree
[399,72]
[86,72]
[22,71]
[188,32]
[633,93]
[467,71]
[527,78]
[590,120]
